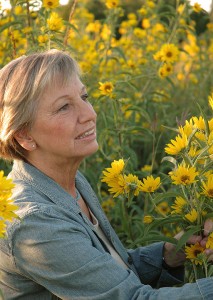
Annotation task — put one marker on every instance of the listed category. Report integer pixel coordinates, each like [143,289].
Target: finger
[203,242]
[208,252]
[208,227]
[210,258]
[194,239]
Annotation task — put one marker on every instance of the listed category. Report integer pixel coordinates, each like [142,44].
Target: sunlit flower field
[148,72]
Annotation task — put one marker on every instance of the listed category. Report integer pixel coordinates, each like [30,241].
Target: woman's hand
[208,228]
[175,259]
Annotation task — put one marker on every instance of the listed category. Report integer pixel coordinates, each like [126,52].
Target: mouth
[85,134]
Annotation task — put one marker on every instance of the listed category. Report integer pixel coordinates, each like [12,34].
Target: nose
[87,112]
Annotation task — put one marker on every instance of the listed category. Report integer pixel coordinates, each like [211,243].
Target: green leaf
[159,197]
[185,237]
[159,238]
[170,159]
[7,25]
[167,220]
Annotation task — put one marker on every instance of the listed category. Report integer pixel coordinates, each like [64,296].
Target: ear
[25,140]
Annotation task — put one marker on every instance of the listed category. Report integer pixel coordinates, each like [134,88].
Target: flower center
[210,192]
[169,54]
[197,252]
[185,178]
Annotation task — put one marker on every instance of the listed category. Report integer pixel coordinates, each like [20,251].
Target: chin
[91,150]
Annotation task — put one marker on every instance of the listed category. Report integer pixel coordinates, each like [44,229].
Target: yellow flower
[125,184]
[106,88]
[169,53]
[146,168]
[117,187]
[197,8]
[145,23]
[163,208]
[148,219]
[157,55]
[50,3]
[209,243]
[111,174]
[132,184]
[108,204]
[192,216]
[142,11]
[183,175]
[150,4]
[178,205]
[208,186]
[112,3]
[181,8]
[187,128]
[150,184]
[6,185]
[7,208]
[194,253]
[2,228]
[18,10]
[177,145]
[55,22]
[193,151]
[210,98]
[42,39]
[165,70]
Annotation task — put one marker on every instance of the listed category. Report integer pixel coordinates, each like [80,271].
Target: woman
[62,245]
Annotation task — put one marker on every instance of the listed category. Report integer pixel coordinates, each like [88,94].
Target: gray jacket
[53,251]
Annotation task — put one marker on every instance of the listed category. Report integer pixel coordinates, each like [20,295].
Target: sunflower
[208,186]
[199,124]
[210,99]
[163,208]
[184,175]
[209,243]
[106,88]
[55,23]
[118,186]
[196,7]
[192,216]
[194,151]
[132,184]
[177,145]
[6,185]
[165,70]
[150,184]
[7,208]
[112,3]
[187,129]
[178,205]
[125,185]
[195,253]
[50,3]
[2,228]
[148,219]
[169,53]
[111,174]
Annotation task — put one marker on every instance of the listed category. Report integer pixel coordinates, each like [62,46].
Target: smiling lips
[87,133]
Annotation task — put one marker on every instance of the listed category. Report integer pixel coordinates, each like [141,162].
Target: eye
[84,97]
[63,108]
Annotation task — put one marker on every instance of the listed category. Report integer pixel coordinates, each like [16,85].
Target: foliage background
[117,45]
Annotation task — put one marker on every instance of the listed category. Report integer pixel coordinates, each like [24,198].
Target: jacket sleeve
[60,256]
[148,263]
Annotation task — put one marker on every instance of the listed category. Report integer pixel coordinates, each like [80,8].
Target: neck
[63,174]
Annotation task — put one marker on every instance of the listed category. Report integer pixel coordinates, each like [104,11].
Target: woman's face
[65,124]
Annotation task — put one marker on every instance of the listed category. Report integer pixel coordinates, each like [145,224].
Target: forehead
[58,88]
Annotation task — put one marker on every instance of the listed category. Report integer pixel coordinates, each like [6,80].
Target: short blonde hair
[22,83]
